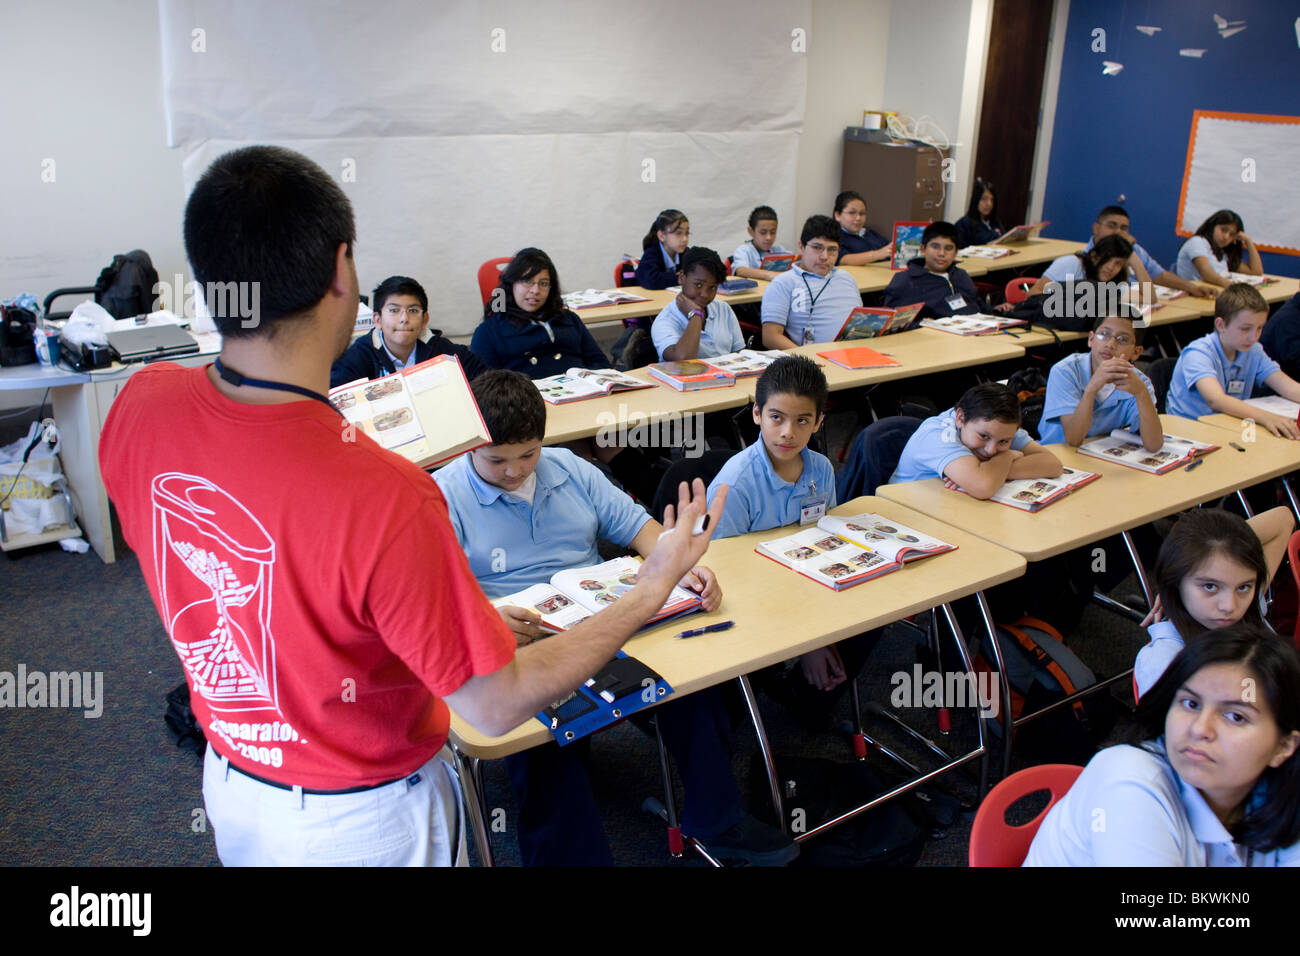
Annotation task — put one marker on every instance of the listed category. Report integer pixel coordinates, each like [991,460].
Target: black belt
[320,793]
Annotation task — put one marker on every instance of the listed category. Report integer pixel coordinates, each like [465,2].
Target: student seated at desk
[526,327]
[1106,261]
[858,244]
[811,301]
[661,250]
[976,446]
[1114,220]
[747,260]
[1094,392]
[1218,372]
[696,324]
[779,481]
[980,225]
[1209,573]
[1212,778]
[933,278]
[523,512]
[1220,246]
[401,337]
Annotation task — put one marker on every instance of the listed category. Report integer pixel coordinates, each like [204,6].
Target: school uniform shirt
[758,498]
[1204,358]
[748,257]
[657,269]
[1129,807]
[852,243]
[368,357]
[1281,337]
[513,543]
[721,333]
[1113,407]
[1156,656]
[917,284]
[1064,268]
[539,349]
[1148,261]
[973,231]
[936,445]
[1192,249]
[811,308]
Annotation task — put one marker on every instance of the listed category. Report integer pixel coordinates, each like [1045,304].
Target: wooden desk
[1257,441]
[658,298]
[648,406]
[1030,253]
[920,352]
[1124,497]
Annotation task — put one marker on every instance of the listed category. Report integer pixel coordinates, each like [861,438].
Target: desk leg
[670,805]
[78,412]
[1008,722]
[1290,495]
[765,746]
[1141,571]
[470,771]
[982,711]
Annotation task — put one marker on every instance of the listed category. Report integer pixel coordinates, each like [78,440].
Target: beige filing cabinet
[901,181]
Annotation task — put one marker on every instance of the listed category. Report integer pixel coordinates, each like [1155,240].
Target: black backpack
[1030,386]
[127,286]
[633,349]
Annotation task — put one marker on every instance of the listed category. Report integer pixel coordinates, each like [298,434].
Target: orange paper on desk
[859,357]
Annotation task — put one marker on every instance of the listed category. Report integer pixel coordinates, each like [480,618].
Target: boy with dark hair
[810,302]
[1094,392]
[523,512]
[747,260]
[1219,371]
[401,337]
[696,324]
[934,278]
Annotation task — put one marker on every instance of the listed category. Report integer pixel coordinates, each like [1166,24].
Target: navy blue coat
[851,244]
[1281,338]
[973,232]
[651,273]
[501,344]
[366,358]
[914,284]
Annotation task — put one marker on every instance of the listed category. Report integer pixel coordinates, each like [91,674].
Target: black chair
[873,456]
[1161,373]
[706,467]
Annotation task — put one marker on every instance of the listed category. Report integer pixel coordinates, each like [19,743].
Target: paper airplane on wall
[1149,31]
[1228,28]
[1192,53]
[1297,31]
[1110,69]
[1229,32]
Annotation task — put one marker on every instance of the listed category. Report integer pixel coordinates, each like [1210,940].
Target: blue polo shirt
[1193,249]
[747,257]
[1154,658]
[1148,262]
[1064,268]
[758,498]
[804,302]
[1113,407]
[512,545]
[935,445]
[1204,358]
[721,333]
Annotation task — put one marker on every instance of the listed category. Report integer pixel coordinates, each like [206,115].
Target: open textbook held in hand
[841,552]
[425,413]
[1125,448]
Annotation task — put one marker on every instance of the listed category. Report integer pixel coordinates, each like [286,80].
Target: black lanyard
[236,379]
[813,304]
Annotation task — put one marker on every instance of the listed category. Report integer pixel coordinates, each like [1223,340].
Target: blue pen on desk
[720,626]
[1199,461]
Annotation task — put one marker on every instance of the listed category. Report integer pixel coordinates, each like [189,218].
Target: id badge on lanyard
[812,506]
[1236,387]
[956,300]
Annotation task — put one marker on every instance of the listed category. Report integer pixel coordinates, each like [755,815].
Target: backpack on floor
[633,349]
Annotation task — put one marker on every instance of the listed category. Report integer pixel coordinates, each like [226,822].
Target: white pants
[413,822]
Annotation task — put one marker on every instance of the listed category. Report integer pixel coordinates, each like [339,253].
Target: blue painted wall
[1127,134]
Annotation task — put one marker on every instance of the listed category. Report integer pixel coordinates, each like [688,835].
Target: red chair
[1293,558]
[625,272]
[1017,290]
[489,276]
[994,842]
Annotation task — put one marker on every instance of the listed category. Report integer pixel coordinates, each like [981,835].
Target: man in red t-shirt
[309,580]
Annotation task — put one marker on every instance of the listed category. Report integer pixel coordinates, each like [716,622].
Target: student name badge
[956,302]
[1106,391]
[812,507]
[1236,387]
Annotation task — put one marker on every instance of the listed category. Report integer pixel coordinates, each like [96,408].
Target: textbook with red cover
[859,357]
[778,262]
[690,375]
[1123,447]
[868,322]
[1021,233]
[1034,494]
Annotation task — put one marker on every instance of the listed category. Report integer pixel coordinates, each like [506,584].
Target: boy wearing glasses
[810,302]
[401,337]
[1094,392]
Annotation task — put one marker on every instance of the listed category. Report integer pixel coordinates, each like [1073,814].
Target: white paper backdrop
[463,131]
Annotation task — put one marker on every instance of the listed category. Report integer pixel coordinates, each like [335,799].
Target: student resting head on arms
[1094,392]
[696,324]
[747,260]
[1219,371]
[980,225]
[1106,261]
[1220,246]
[1214,780]
[1114,220]
[661,249]
[811,301]
[1211,569]
[401,337]
[976,446]
[934,278]
[526,327]
[858,244]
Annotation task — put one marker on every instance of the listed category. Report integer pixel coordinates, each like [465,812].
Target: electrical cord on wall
[922,129]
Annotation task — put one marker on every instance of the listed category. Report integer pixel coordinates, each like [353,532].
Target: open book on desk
[1125,448]
[595,298]
[973,324]
[1035,494]
[841,552]
[579,383]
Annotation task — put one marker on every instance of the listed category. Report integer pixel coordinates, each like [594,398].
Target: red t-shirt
[309,580]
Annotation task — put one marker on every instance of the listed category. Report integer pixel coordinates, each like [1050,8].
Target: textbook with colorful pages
[1034,494]
[1021,233]
[841,552]
[974,324]
[691,375]
[985,252]
[595,298]
[1125,448]
[859,357]
[869,322]
[746,363]
[425,413]
[778,262]
[1250,279]
[579,383]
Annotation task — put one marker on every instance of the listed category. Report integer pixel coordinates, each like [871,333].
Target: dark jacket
[914,284]
[651,273]
[1281,338]
[366,358]
[852,245]
[973,232]
[501,344]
